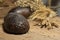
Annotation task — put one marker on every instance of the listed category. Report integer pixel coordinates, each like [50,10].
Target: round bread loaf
[15,24]
[25,11]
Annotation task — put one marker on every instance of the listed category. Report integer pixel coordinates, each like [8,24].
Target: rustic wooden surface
[35,33]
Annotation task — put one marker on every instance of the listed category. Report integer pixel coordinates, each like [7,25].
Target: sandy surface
[35,33]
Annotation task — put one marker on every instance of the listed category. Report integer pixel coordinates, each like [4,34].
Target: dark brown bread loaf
[25,11]
[15,24]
